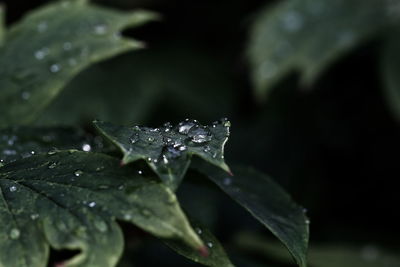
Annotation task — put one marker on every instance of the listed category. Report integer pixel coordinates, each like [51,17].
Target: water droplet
[199,134]
[100,168]
[140,172]
[101,226]
[92,204]
[150,139]
[227,181]
[307,221]
[207,149]
[100,29]
[67,46]
[165,159]
[78,173]
[198,231]
[15,233]
[13,188]
[127,216]
[134,138]
[210,245]
[86,147]
[34,216]
[292,21]
[42,26]
[55,68]
[25,95]
[42,53]
[51,152]
[184,127]
[121,187]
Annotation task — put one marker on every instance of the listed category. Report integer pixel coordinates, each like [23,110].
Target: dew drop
[13,188]
[140,172]
[150,139]
[86,147]
[134,138]
[25,95]
[210,244]
[67,46]
[34,216]
[42,53]
[55,68]
[127,216]
[198,231]
[92,204]
[78,173]
[184,127]
[207,149]
[199,135]
[100,29]
[15,233]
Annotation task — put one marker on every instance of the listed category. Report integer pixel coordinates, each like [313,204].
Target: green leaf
[50,46]
[168,150]
[23,142]
[71,200]
[268,203]
[308,35]
[2,27]
[216,254]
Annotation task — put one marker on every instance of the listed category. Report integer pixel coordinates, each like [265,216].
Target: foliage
[53,195]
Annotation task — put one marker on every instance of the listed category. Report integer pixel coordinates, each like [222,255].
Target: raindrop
[165,159]
[53,165]
[42,26]
[67,46]
[210,245]
[227,181]
[134,138]
[121,187]
[34,216]
[184,127]
[127,216]
[292,21]
[78,173]
[13,188]
[86,147]
[92,204]
[15,233]
[140,172]
[199,135]
[207,149]
[55,68]
[199,231]
[42,53]
[101,226]
[100,29]
[25,95]
[150,139]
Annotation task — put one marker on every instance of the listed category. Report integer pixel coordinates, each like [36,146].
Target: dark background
[334,146]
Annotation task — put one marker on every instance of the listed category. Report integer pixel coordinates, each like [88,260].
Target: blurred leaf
[268,203]
[321,255]
[50,46]
[2,24]
[174,77]
[216,254]
[71,199]
[308,35]
[390,72]
[168,150]
[23,142]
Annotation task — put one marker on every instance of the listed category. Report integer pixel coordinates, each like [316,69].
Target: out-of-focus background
[332,143]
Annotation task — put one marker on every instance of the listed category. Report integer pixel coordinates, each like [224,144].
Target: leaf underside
[307,35]
[48,47]
[168,150]
[268,203]
[71,199]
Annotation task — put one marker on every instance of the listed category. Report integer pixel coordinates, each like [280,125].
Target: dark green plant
[54,195]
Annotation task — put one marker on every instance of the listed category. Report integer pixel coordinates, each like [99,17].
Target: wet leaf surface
[71,199]
[50,46]
[168,150]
